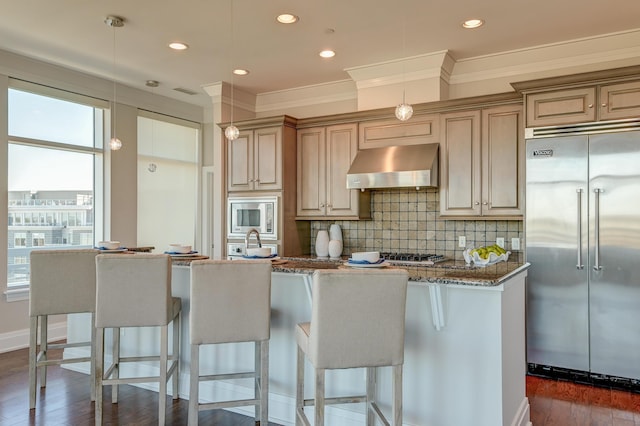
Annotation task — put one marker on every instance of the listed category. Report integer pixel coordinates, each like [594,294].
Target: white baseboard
[522,417]
[19,339]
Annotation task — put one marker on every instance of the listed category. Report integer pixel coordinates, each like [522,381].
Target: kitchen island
[464,347]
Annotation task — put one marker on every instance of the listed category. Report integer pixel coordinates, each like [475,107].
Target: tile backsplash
[407,221]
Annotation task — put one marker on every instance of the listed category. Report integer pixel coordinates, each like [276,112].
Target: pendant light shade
[232,132]
[404,111]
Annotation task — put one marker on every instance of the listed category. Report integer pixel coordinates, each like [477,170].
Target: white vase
[335,232]
[322,244]
[335,249]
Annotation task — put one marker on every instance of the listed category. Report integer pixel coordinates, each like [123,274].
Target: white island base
[464,360]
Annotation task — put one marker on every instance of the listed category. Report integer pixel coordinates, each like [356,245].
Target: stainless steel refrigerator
[582,236]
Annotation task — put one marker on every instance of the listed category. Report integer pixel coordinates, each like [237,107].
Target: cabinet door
[267,151]
[460,164]
[342,146]
[311,191]
[561,107]
[620,101]
[240,162]
[503,156]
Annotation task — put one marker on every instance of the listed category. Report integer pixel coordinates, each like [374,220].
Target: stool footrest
[302,417]
[378,413]
[337,400]
[247,375]
[227,404]
[57,361]
[67,345]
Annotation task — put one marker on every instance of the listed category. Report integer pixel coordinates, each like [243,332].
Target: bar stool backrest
[357,318]
[230,301]
[62,281]
[133,290]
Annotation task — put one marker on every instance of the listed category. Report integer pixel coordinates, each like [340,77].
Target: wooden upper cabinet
[419,130]
[619,101]
[482,163]
[561,107]
[460,168]
[255,160]
[324,157]
[503,161]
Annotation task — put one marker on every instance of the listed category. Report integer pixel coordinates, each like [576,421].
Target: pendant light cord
[113,76]
[232,61]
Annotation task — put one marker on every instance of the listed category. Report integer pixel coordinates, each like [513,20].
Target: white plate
[118,250]
[367,265]
[183,254]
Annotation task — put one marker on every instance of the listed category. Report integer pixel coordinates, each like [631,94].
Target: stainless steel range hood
[395,167]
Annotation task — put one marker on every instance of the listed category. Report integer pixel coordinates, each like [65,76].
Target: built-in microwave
[245,213]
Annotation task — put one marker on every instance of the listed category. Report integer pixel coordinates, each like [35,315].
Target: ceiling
[222,36]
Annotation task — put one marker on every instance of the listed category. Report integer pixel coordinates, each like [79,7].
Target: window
[54,153]
[20,239]
[37,240]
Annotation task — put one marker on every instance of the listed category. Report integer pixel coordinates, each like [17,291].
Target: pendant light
[404,111]
[114,22]
[232,132]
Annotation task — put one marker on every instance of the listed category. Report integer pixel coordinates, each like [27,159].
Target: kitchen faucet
[248,236]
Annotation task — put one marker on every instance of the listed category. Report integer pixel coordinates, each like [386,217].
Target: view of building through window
[50,186]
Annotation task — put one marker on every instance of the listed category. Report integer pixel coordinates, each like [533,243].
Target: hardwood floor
[561,403]
[65,401]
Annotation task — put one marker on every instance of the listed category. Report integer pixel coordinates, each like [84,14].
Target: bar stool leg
[371,394]
[92,363]
[44,342]
[98,374]
[319,404]
[397,395]
[264,383]
[176,355]
[256,380]
[162,392]
[116,362]
[33,355]
[300,388]
[194,382]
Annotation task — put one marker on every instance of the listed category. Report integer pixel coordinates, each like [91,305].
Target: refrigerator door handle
[580,265]
[596,254]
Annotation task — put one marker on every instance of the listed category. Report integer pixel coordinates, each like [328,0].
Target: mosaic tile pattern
[407,221]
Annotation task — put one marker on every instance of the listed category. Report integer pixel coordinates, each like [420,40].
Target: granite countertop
[447,272]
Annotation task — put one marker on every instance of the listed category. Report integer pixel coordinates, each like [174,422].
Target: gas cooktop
[413,258]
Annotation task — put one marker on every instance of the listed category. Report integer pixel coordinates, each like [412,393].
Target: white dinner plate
[367,265]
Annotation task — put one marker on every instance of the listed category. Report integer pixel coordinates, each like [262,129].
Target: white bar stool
[357,320]
[62,282]
[134,290]
[231,303]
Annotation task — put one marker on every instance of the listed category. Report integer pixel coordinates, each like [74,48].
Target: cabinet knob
[477,203]
[590,105]
[604,105]
[484,203]
[321,204]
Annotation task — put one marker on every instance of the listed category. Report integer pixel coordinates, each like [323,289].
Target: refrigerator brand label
[543,153]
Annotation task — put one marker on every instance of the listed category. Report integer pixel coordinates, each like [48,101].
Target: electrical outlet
[500,241]
[462,241]
[515,244]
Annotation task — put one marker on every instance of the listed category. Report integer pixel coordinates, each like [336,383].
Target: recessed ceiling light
[240,71]
[287,18]
[472,23]
[327,54]
[177,45]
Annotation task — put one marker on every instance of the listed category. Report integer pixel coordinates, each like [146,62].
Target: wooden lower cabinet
[482,163]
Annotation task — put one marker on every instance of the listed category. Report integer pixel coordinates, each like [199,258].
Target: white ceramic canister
[322,244]
[335,232]
[335,249]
